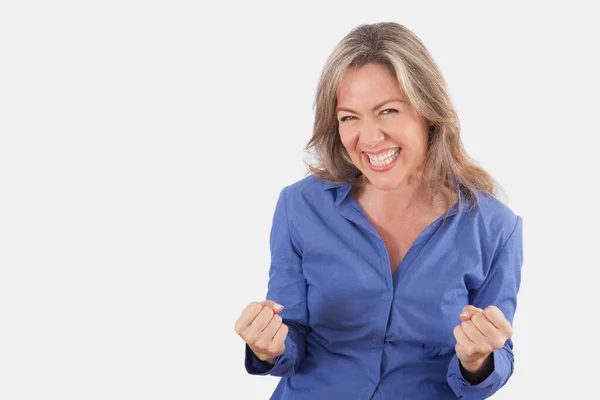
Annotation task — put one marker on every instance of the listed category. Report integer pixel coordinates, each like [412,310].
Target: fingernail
[278,306]
[464,314]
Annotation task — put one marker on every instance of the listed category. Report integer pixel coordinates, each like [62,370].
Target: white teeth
[384,158]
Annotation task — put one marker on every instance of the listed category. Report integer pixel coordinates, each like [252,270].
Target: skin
[479,334]
[373,115]
[263,329]
[392,124]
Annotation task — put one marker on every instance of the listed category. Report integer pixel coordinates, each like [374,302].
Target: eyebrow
[374,108]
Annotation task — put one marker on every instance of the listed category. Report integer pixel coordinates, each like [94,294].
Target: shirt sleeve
[500,289]
[287,286]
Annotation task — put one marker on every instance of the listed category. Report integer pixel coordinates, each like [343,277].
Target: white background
[143,146]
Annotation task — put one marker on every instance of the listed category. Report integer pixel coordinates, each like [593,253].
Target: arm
[500,289]
[287,286]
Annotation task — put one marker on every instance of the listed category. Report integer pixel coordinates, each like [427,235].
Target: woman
[394,269]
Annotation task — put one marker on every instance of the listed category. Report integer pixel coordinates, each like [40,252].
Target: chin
[384,183]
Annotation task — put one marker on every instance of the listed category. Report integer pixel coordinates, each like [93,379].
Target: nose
[370,135]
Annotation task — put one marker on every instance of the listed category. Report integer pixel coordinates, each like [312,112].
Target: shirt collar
[343,189]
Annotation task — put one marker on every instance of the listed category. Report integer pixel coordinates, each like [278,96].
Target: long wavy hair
[395,47]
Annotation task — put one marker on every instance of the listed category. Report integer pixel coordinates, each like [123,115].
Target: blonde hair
[395,47]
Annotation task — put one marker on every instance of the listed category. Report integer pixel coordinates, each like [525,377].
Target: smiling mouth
[382,160]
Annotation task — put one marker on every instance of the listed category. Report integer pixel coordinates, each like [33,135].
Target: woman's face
[384,136]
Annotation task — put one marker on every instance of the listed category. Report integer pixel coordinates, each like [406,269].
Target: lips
[384,160]
[384,156]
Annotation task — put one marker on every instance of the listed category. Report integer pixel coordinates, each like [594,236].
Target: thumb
[272,305]
[468,312]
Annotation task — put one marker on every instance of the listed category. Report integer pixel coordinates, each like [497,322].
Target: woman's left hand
[480,333]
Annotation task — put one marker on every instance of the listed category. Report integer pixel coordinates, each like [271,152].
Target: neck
[404,197]
[410,195]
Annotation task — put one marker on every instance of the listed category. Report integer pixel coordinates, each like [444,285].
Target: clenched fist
[480,333]
[263,329]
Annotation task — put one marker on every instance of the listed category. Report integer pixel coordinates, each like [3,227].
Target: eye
[344,119]
[390,109]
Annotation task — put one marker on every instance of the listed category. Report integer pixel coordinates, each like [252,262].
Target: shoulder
[307,189]
[304,205]
[493,210]
[493,220]
[308,202]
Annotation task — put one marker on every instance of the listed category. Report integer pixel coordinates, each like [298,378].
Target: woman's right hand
[263,329]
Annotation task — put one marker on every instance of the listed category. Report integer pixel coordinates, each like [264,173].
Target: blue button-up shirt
[356,331]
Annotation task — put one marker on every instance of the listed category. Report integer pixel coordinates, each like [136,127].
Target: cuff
[256,366]
[456,375]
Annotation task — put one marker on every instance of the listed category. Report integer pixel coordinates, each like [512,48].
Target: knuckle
[471,350]
[267,311]
[277,320]
[496,312]
[256,307]
[484,348]
[252,309]
[260,343]
[498,343]
[251,340]
[264,346]
[510,331]
[273,348]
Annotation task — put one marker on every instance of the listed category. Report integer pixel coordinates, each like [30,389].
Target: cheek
[349,140]
[416,138]
[405,130]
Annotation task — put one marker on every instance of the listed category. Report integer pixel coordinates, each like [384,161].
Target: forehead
[369,82]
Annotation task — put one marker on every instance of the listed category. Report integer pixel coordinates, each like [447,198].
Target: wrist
[474,366]
[477,371]
[271,360]
[263,358]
